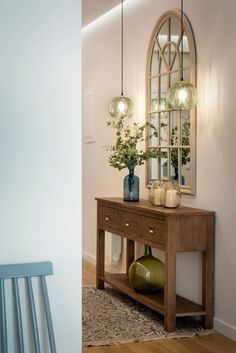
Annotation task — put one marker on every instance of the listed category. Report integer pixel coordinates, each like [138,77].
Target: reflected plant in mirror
[185,152]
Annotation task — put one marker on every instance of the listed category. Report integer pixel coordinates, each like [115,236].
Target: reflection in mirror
[153,139]
[186,76]
[154,63]
[174,158]
[186,56]
[162,35]
[164,128]
[185,167]
[185,128]
[154,88]
[164,84]
[175,128]
[164,164]
[154,171]
[175,32]
[174,78]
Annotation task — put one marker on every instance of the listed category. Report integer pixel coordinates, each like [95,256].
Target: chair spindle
[48,315]
[33,315]
[3,328]
[20,337]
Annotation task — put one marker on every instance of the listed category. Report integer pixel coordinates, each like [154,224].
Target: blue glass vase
[131,186]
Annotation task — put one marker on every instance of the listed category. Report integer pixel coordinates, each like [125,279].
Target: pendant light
[121,106]
[182,95]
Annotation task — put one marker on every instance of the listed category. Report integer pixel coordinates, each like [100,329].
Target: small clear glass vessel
[172,196]
[164,186]
[155,192]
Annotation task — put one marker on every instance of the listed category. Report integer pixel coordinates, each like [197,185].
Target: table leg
[129,253]
[100,258]
[170,277]
[170,293]
[208,276]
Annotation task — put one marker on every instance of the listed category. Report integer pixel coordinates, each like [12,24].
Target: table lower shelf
[184,307]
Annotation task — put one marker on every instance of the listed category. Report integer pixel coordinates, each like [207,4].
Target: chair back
[26,272]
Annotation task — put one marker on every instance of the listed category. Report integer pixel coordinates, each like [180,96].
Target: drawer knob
[107,217]
[151,230]
[127,223]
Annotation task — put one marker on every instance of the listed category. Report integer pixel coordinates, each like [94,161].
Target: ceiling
[92,9]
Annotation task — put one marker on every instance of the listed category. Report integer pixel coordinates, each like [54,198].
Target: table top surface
[147,206]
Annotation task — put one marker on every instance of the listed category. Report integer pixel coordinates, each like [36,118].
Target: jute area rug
[112,318]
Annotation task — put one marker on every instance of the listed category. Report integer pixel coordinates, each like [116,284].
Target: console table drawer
[107,217]
[128,223]
[152,229]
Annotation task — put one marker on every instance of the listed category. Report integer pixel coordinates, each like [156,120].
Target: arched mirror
[175,129]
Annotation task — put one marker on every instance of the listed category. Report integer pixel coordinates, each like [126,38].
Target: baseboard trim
[225,328]
[108,263]
[88,257]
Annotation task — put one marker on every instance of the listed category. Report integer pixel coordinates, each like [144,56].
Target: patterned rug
[111,318]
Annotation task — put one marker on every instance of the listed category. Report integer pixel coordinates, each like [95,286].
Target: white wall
[40,152]
[214,27]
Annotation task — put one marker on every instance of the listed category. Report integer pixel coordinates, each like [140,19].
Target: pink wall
[214,28]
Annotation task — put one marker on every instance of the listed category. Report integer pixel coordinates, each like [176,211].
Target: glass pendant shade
[182,95]
[162,105]
[121,107]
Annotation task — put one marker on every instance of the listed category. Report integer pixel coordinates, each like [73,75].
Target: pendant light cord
[182,41]
[122,46]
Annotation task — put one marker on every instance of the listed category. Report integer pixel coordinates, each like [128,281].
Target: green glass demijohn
[147,274]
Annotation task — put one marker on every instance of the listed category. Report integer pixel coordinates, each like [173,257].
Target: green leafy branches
[126,153]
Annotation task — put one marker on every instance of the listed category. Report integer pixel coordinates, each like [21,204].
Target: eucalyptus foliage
[125,153]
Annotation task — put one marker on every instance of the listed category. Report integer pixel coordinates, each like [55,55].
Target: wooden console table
[171,230]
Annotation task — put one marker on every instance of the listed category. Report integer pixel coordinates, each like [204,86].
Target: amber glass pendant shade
[182,95]
[121,107]
[147,274]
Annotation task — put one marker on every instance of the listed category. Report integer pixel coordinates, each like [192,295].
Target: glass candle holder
[164,185]
[155,193]
[172,196]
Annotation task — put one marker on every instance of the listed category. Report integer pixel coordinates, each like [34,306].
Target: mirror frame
[191,189]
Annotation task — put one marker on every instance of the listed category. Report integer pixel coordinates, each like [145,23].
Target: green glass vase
[147,274]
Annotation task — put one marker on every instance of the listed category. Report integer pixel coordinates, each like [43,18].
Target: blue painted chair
[14,273]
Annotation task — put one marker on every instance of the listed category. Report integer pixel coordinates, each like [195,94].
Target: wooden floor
[215,343]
